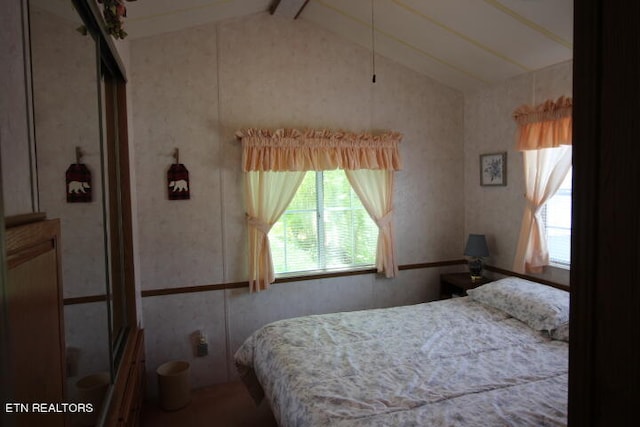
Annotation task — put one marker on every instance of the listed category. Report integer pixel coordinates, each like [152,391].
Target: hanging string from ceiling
[373,44]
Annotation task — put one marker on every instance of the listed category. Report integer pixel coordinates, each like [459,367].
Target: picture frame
[493,169]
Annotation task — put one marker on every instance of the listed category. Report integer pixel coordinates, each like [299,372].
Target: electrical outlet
[203,349]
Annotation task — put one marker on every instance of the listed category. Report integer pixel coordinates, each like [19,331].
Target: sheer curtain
[275,162]
[545,169]
[545,139]
[375,190]
[267,195]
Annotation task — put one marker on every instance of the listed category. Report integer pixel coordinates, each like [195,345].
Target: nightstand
[457,284]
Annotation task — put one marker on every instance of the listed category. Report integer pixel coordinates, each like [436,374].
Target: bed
[495,358]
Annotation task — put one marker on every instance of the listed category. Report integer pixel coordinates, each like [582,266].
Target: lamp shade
[476,246]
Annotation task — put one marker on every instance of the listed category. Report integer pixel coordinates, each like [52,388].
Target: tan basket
[174,385]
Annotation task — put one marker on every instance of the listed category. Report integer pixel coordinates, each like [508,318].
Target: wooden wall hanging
[178,180]
[78,181]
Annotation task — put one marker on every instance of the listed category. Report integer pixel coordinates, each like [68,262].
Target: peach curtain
[375,190]
[296,150]
[267,195]
[544,126]
[545,140]
[544,169]
[275,162]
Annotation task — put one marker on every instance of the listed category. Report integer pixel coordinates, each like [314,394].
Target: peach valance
[303,150]
[544,126]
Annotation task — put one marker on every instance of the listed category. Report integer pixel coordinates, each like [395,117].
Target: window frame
[557,262]
[320,230]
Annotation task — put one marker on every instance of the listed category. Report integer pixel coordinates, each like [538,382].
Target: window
[325,227]
[556,215]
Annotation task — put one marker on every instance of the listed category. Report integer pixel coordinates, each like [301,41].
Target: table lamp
[476,250]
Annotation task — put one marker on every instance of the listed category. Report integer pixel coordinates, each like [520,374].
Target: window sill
[323,274]
[561,266]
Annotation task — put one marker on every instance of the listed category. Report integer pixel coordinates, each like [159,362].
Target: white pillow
[542,307]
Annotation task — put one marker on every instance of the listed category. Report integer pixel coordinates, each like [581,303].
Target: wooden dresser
[35,318]
[128,390]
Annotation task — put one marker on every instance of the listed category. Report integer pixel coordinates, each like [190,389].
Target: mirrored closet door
[79,120]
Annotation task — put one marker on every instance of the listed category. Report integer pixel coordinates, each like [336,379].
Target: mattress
[454,362]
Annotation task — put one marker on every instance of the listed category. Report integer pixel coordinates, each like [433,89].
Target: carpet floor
[224,405]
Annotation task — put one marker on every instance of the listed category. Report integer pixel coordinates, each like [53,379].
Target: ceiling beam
[288,8]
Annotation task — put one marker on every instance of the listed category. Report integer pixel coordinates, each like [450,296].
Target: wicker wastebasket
[174,385]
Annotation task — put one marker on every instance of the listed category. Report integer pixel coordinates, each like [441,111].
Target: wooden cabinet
[35,322]
[457,284]
[128,391]
[35,335]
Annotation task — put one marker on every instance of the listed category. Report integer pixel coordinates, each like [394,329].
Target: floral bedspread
[447,363]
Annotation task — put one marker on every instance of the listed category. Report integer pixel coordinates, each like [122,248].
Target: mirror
[118,299]
[75,116]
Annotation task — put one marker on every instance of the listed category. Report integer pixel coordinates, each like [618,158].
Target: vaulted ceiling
[464,44]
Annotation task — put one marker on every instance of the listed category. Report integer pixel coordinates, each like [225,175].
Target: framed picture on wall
[493,169]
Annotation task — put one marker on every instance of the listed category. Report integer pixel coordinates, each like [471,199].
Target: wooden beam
[288,8]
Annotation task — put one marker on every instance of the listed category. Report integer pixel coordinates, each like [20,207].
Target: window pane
[301,240]
[337,189]
[297,230]
[338,232]
[324,227]
[557,218]
[305,198]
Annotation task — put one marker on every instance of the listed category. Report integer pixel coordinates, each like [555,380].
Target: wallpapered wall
[489,128]
[192,90]
[14,131]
